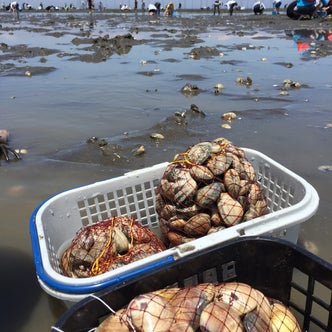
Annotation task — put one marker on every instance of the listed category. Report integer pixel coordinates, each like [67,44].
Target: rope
[95,266]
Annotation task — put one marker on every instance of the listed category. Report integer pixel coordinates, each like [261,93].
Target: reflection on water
[312,43]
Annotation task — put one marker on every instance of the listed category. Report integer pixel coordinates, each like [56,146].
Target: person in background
[158,6]
[91,5]
[135,5]
[169,10]
[216,7]
[143,6]
[328,8]
[258,8]
[306,9]
[14,8]
[321,7]
[230,6]
[152,9]
[276,6]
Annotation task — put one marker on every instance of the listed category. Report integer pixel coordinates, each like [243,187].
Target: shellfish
[213,178]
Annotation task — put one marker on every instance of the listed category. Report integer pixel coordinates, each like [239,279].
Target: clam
[253,322]
[157,136]
[251,213]
[218,316]
[189,303]
[256,193]
[235,150]
[176,238]
[229,116]
[230,210]
[117,322]
[139,150]
[209,194]
[232,182]
[250,173]
[167,211]
[176,224]
[156,313]
[219,86]
[216,219]
[222,141]
[120,241]
[241,297]
[244,187]
[282,319]
[197,225]
[185,188]
[167,189]
[218,164]
[226,126]
[199,153]
[201,173]
[187,212]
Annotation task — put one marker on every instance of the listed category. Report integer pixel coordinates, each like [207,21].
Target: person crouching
[258,8]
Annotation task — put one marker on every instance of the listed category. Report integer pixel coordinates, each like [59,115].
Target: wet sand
[66,77]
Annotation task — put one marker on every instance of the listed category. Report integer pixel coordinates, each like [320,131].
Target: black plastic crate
[278,268]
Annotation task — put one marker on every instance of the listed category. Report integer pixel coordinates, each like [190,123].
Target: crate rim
[61,283]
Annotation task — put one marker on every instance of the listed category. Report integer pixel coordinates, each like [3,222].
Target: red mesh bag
[107,245]
[205,307]
[210,186]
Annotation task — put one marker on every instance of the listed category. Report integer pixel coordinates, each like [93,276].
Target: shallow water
[126,96]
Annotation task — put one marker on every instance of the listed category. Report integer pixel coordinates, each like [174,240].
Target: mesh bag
[210,186]
[205,307]
[107,245]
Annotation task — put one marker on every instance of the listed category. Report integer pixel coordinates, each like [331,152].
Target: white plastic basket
[54,223]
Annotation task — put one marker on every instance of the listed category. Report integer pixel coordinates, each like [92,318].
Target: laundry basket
[279,269]
[291,201]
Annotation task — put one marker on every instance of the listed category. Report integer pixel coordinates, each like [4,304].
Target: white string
[56,329]
[100,300]
[103,302]
[59,330]
[111,310]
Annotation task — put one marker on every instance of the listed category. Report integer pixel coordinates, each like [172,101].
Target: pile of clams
[205,189]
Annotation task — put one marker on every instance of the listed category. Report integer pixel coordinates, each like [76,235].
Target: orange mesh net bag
[107,245]
[206,307]
[207,188]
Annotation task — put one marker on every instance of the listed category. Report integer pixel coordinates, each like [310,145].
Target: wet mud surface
[178,33]
[69,77]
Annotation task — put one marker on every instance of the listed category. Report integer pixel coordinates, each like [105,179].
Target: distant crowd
[15,6]
[298,9]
